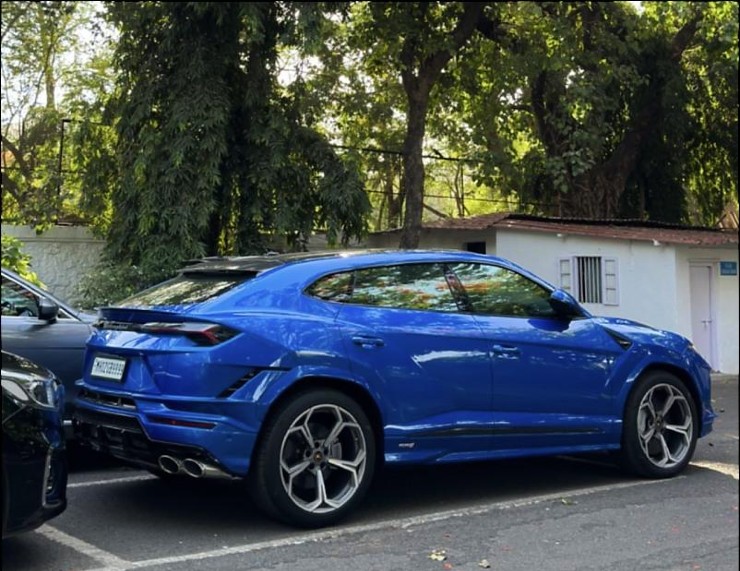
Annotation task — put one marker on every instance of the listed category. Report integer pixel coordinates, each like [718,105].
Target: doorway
[702,310]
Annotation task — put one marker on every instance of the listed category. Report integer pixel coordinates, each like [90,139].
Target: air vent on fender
[621,340]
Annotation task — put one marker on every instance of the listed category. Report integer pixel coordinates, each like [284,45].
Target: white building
[672,277]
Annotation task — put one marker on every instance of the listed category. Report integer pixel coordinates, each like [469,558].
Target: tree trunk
[418,86]
[413,171]
[598,192]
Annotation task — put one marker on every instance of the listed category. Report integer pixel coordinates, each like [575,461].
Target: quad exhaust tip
[169,465]
[193,468]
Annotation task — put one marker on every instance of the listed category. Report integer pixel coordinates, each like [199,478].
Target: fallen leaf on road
[484,563]
[567,502]
[438,555]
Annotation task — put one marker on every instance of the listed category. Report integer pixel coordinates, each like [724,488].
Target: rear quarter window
[186,289]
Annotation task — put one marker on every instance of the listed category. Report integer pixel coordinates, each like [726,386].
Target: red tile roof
[615,229]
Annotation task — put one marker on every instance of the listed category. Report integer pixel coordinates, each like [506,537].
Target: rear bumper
[142,439]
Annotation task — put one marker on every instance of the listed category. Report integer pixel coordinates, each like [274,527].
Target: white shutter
[565,273]
[611,281]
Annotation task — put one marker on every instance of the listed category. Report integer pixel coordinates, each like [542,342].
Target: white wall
[647,286]
[725,297]
[444,239]
[60,256]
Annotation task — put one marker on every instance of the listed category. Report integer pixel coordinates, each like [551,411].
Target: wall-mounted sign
[728,268]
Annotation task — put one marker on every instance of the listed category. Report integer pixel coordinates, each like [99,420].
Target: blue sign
[728,268]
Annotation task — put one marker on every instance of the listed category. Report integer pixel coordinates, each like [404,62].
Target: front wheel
[660,427]
[315,460]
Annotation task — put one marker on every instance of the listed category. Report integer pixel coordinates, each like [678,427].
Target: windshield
[186,289]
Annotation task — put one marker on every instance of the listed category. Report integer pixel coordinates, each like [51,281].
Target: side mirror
[48,310]
[564,304]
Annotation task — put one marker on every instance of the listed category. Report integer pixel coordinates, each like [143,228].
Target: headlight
[45,393]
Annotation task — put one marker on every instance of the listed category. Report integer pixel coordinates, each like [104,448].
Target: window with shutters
[590,279]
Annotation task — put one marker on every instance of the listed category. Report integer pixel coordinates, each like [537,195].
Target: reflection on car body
[302,373]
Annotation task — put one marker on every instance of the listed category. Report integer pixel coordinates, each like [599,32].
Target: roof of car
[252,263]
[241,264]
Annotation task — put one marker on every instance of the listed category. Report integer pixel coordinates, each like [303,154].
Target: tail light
[199,332]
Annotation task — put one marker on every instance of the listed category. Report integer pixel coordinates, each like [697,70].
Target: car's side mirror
[564,305]
[48,310]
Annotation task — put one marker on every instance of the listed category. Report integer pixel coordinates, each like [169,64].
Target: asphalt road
[558,513]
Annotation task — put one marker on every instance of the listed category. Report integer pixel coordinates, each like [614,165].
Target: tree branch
[432,66]
[17,155]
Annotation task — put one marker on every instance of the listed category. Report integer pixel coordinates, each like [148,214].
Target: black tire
[667,452]
[289,499]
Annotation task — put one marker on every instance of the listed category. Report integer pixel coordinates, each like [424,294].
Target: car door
[550,373]
[405,335]
[58,344]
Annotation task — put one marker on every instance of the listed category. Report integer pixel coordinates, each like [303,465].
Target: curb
[723,378]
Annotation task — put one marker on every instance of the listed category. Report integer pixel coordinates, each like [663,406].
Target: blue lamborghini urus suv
[302,373]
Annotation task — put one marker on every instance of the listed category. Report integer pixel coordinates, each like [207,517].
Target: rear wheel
[660,427]
[315,460]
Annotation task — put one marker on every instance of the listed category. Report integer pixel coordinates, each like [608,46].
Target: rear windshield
[186,289]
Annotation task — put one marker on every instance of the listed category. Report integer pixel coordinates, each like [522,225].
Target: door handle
[506,351]
[367,342]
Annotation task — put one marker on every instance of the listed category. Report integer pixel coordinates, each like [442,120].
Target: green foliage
[208,130]
[211,157]
[110,282]
[46,89]
[15,259]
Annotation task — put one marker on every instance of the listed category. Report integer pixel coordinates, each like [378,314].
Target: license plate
[108,368]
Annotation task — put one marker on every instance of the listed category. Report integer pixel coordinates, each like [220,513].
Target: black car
[41,327]
[34,475]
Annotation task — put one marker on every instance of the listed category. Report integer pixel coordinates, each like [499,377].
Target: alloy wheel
[665,425]
[323,457]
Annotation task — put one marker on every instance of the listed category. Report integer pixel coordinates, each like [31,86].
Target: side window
[407,286]
[336,287]
[497,291]
[17,300]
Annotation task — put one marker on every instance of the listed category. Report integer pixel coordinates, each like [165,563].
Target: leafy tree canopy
[220,126]
[212,154]
[53,64]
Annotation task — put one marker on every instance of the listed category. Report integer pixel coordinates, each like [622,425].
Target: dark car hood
[643,334]
[20,368]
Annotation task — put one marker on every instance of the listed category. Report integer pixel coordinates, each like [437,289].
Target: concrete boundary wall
[61,256]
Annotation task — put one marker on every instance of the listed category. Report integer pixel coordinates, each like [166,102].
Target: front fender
[689,366]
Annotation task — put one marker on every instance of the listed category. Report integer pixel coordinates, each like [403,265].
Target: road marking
[111,562]
[721,467]
[400,523]
[110,481]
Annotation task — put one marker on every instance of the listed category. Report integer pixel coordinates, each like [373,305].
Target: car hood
[21,369]
[643,334]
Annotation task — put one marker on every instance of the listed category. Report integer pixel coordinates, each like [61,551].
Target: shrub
[16,260]
[110,282]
